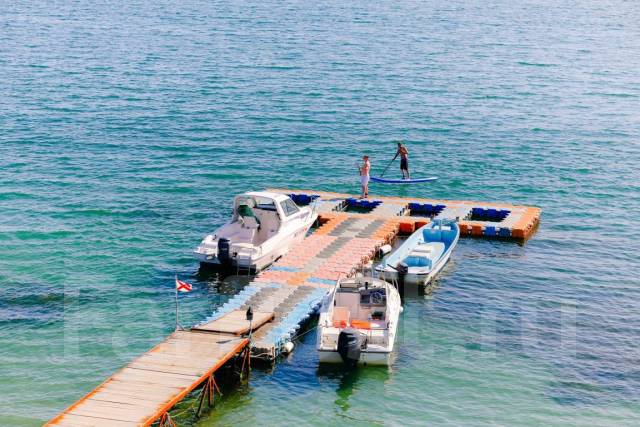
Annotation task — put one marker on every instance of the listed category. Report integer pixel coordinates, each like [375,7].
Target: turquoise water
[126,128]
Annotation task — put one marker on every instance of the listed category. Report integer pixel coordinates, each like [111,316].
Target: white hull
[264,261]
[423,255]
[264,227]
[416,278]
[359,318]
[366,358]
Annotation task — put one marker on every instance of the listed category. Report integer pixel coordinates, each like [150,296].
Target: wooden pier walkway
[144,391]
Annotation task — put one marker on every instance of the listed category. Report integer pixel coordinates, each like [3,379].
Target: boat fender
[287,347]
[224,250]
[385,249]
[350,343]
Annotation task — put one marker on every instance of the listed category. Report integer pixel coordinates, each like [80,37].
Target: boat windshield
[265,203]
[288,207]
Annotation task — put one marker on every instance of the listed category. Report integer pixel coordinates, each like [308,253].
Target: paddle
[385,169]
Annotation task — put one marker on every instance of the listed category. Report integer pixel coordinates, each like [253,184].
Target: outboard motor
[402,270]
[224,250]
[350,343]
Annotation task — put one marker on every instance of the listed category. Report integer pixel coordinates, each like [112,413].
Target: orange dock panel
[407,227]
[476,230]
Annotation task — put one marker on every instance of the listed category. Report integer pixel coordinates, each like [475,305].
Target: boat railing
[314,205]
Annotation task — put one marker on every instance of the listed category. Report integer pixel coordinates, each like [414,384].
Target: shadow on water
[347,379]
[226,281]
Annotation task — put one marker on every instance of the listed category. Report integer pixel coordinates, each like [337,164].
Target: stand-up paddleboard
[402,181]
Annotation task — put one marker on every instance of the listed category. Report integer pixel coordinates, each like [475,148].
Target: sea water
[127,127]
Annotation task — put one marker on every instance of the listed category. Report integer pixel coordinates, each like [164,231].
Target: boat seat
[360,324]
[422,249]
[417,261]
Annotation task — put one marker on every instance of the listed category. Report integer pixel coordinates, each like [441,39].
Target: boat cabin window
[289,208]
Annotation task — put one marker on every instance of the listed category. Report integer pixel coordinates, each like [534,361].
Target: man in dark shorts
[404,160]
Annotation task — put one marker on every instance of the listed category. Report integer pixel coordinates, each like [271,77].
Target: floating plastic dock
[283,298]
[479,219]
[351,233]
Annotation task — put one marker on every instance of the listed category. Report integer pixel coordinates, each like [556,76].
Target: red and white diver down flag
[183,286]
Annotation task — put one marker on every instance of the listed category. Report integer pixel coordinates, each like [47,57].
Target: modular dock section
[479,219]
[282,297]
[351,233]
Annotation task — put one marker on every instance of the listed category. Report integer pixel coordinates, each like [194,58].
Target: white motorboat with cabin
[358,322]
[423,255]
[264,227]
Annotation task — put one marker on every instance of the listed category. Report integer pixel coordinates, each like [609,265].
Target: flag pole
[176,289]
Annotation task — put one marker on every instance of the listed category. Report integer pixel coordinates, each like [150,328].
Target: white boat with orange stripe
[358,322]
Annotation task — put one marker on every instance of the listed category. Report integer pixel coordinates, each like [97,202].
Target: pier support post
[246,362]
[209,392]
[166,421]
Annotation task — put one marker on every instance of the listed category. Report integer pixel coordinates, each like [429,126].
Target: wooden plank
[143,387]
[71,420]
[170,363]
[168,368]
[236,323]
[114,407]
[180,359]
[178,379]
[124,399]
[181,351]
[197,335]
[205,337]
[142,383]
[198,339]
[132,416]
[131,388]
[147,379]
[185,347]
[125,403]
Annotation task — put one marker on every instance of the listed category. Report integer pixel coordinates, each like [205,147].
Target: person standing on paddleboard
[404,160]
[364,176]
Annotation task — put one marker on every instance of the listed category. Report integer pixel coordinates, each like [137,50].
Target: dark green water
[127,127]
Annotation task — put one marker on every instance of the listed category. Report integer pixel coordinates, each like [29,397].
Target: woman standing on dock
[364,176]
